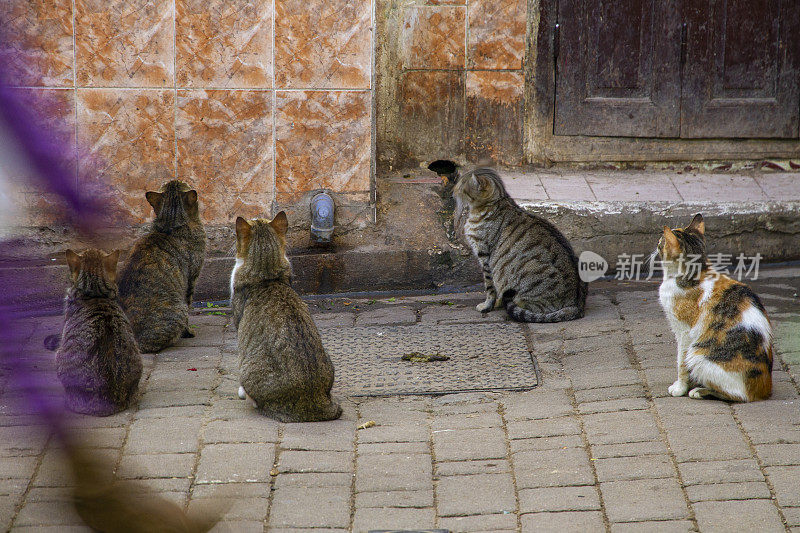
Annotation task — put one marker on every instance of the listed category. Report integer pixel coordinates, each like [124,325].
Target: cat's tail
[520,314]
[51,342]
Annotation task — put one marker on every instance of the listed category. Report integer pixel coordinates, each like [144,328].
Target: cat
[528,265]
[98,361]
[723,333]
[157,282]
[284,368]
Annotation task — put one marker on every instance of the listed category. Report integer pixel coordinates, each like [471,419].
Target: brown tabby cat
[284,367]
[723,332]
[528,265]
[157,282]
[98,361]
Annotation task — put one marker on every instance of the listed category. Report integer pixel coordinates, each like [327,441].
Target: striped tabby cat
[283,366]
[528,265]
[723,333]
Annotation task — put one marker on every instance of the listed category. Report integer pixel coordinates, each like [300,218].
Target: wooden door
[618,71]
[742,71]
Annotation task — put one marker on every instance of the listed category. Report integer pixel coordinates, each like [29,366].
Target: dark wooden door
[742,75]
[678,68]
[618,71]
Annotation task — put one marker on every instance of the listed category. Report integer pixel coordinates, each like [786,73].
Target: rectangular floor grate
[483,357]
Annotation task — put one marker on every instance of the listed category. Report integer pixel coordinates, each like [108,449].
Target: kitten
[284,367]
[98,361]
[723,332]
[528,265]
[157,282]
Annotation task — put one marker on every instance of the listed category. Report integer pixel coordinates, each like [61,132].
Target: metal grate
[483,357]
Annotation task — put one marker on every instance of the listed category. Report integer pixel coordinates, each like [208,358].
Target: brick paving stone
[663,526]
[55,470]
[621,427]
[160,399]
[753,515]
[393,447]
[486,522]
[407,432]
[17,441]
[728,491]
[546,443]
[193,357]
[18,468]
[718,444]
[550,427]
[609,393]
[590,379]
[310,507]
[314,480]
[465,408]
[785,480]
[659,379]
[608,406]
[629,449]
[177,377]
[315,461]
[644,499]
[469,444]
[475,494]
[626,468]
[231,463]
[565,521]
[163,435]
[460,468]
[708,472]
[792,515]
[466,421]
[393,472]
[395,498]
[552,468]
[368,518]
[327,320]
[779,454]
[558,499]
[162,465]
[243,526]
[535,405]
[54,513]
[388,315]
[254,430]
[168,412]
[337,435]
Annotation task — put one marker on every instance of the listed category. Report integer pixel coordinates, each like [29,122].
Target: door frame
[541,145]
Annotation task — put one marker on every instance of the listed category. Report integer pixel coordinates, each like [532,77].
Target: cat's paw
[242,393]
[698,393]
[485,307]
[678,388]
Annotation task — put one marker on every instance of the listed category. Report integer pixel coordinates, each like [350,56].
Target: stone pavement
[598,446]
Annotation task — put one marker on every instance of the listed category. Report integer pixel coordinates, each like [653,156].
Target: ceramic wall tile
[433,37]
[496,34]
[494,110]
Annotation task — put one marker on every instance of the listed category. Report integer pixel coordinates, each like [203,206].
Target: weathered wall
[255,103]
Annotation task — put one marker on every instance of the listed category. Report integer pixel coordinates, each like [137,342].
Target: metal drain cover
[483,357]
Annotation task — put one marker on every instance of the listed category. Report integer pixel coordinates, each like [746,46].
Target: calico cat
[723,332]
[528,265]
[157,282]
[284,368]
[98,361]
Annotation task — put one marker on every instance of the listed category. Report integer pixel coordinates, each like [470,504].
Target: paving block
[559,499]
[475,494]
[589,378]
[742,515]
[644,499]
[163,435]
[231,463]
[546,443]
[709,472]
[629,449]
[315,461]
[610,406]
[393,472]
[620,427]
[607,394]
[310,507]
[368,448]
[261,429]
[560,522]
[466,421]
[792,515]
[395,498]
[644,467]
[485,522]
[779,454]
[368,519]
[460,468]
[721,443]
[161,465]
[552,468]
[660,526]
[48,513]
[335,435]
[549,427]
[469,444]
[388,315]
[537,404]
[785,480]
[314,480]
[749,490]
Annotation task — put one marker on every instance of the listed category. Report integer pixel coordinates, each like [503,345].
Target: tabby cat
[157,282]
[723,333]
[98,361]
[284,368]
[528,265]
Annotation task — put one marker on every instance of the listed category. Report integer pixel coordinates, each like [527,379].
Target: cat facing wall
[97,361]
[528,265]
[723,333]
[157,281]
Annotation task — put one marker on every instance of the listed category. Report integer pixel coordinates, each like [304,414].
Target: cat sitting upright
[723,332]
[284,368]
[97,361]
[157,282]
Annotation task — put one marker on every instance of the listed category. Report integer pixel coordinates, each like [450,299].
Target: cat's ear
[110,264]
[243,228]
[191,197]
[697,225]
[280,223]
[477,183]
[670,241]
[154,199]
[73,261]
